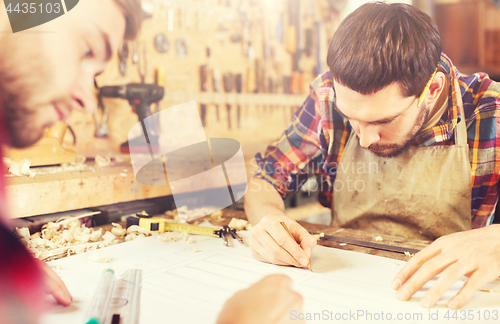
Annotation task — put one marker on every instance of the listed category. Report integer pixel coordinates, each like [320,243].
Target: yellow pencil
[286,229]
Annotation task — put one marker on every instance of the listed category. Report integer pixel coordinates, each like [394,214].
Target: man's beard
[23,77]
[18,121]
[393,150]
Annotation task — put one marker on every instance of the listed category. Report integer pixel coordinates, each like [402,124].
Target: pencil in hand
[286,229]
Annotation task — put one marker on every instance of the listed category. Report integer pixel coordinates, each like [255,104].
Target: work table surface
[228,214]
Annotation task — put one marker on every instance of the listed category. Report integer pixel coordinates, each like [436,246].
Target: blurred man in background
[45,76]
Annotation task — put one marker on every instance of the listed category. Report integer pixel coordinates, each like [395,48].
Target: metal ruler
[372,245]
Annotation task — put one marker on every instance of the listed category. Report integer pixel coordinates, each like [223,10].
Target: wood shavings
[342,244]
[175,236]
[318,236]
[339,230]
[118,230]
[24,166]
[66,236]
[14,169]
[23,233]
[108,236]
[100,257]
[21,168]
[96,235]
[195,250]
[408,254]
[137,230]
[130,237]
[186,215]
[238,224]
[379,239]
[80,159]
[102,161]
[217,216]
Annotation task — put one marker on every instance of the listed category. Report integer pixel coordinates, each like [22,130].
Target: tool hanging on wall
[140,97]
[135,54]
[216,83]
[181,47]
[123,56]
[204,70]
[170,21]
[162,44]
[228,81]
[203,88]
[142,67]
[239,89]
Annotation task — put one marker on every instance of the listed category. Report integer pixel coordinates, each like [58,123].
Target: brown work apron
[423,193]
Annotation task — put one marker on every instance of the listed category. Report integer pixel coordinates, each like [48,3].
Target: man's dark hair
[132,11]
[379,44]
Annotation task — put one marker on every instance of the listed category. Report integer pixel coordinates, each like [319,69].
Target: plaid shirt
[315,140]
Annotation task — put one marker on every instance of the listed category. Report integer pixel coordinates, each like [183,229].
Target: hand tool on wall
[135,54]
[239,89]
[170,21]
[181,47]
[123,55]
[142,67]
[203,88]
[308,49]
[162,44]
[204,71]
[140,96]
[228,81]
[216,82]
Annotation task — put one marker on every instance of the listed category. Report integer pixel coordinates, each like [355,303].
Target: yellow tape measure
[160,225]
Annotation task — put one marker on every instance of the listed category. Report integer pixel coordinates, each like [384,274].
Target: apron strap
[461,131]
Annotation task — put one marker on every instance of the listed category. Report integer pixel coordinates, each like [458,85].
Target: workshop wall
[255,38]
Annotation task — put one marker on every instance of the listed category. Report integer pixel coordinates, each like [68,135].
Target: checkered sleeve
[287,162]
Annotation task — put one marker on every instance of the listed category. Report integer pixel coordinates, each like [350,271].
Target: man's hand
[54,285]
[475,254]
[269,301]
[270,242]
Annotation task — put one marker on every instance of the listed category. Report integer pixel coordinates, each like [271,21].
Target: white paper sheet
[181,286]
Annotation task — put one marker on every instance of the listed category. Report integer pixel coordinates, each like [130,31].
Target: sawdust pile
[67,236]
[19,169]
[184,215]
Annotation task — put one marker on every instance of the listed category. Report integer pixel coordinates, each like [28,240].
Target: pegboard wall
[278,47]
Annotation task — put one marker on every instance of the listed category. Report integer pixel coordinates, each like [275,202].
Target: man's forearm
[262,199]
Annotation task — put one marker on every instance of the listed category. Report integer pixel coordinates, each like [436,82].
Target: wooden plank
[60,190]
